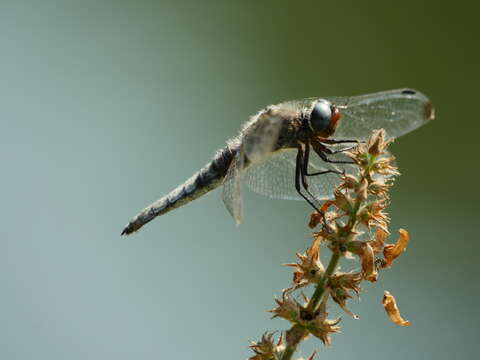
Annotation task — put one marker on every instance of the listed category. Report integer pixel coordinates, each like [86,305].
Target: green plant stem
[318,295]
[288,353]
[321,288]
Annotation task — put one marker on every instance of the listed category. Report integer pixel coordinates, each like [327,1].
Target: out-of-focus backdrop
[107,105]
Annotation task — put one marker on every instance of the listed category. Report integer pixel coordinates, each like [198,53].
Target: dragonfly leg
[332,152]
[306,161]
[342,141]
[330,171]
[325,158]
[300,180]
[322,151]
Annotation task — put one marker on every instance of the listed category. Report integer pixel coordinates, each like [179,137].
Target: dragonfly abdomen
[207,179]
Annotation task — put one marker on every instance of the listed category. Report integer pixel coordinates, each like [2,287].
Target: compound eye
[321,116]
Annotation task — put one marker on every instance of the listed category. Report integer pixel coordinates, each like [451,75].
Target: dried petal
[365,252]
[392,251]
[391,308]
[378,242]
[377,143]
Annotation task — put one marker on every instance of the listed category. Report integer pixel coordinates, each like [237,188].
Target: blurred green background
[107,105]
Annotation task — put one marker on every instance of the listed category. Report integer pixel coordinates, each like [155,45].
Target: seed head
[323,327]
[309,269]
[265,349]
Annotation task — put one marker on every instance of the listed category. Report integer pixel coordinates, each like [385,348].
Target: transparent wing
[275,176]
[397,111]
[260,137]
[232,188]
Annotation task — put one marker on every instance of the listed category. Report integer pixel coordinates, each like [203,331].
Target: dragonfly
[295,150]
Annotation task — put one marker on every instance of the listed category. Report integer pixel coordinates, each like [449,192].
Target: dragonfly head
[324,118]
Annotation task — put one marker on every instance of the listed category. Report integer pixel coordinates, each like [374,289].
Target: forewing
[232,188]
[397,111]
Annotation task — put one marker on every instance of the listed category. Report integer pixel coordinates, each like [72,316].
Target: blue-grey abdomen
[208,178]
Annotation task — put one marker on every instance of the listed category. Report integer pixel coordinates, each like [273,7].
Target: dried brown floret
[287,308]
[377,142]
[343,201]
[378,242]
[392,251]
[391,308]
[340,284]
[367,258]
[265,349]
[372,215]
[349,182]
[379,188]
[315,219]
[384,166]
[340,296]
[310,268]
[322,327]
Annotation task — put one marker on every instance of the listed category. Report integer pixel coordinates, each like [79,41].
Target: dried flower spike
[357,205]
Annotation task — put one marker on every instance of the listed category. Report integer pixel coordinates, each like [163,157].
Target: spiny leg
[330,171]
[322,151]
[333,152]
[306,161]
[299,179]
[303,166]
[334,141]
